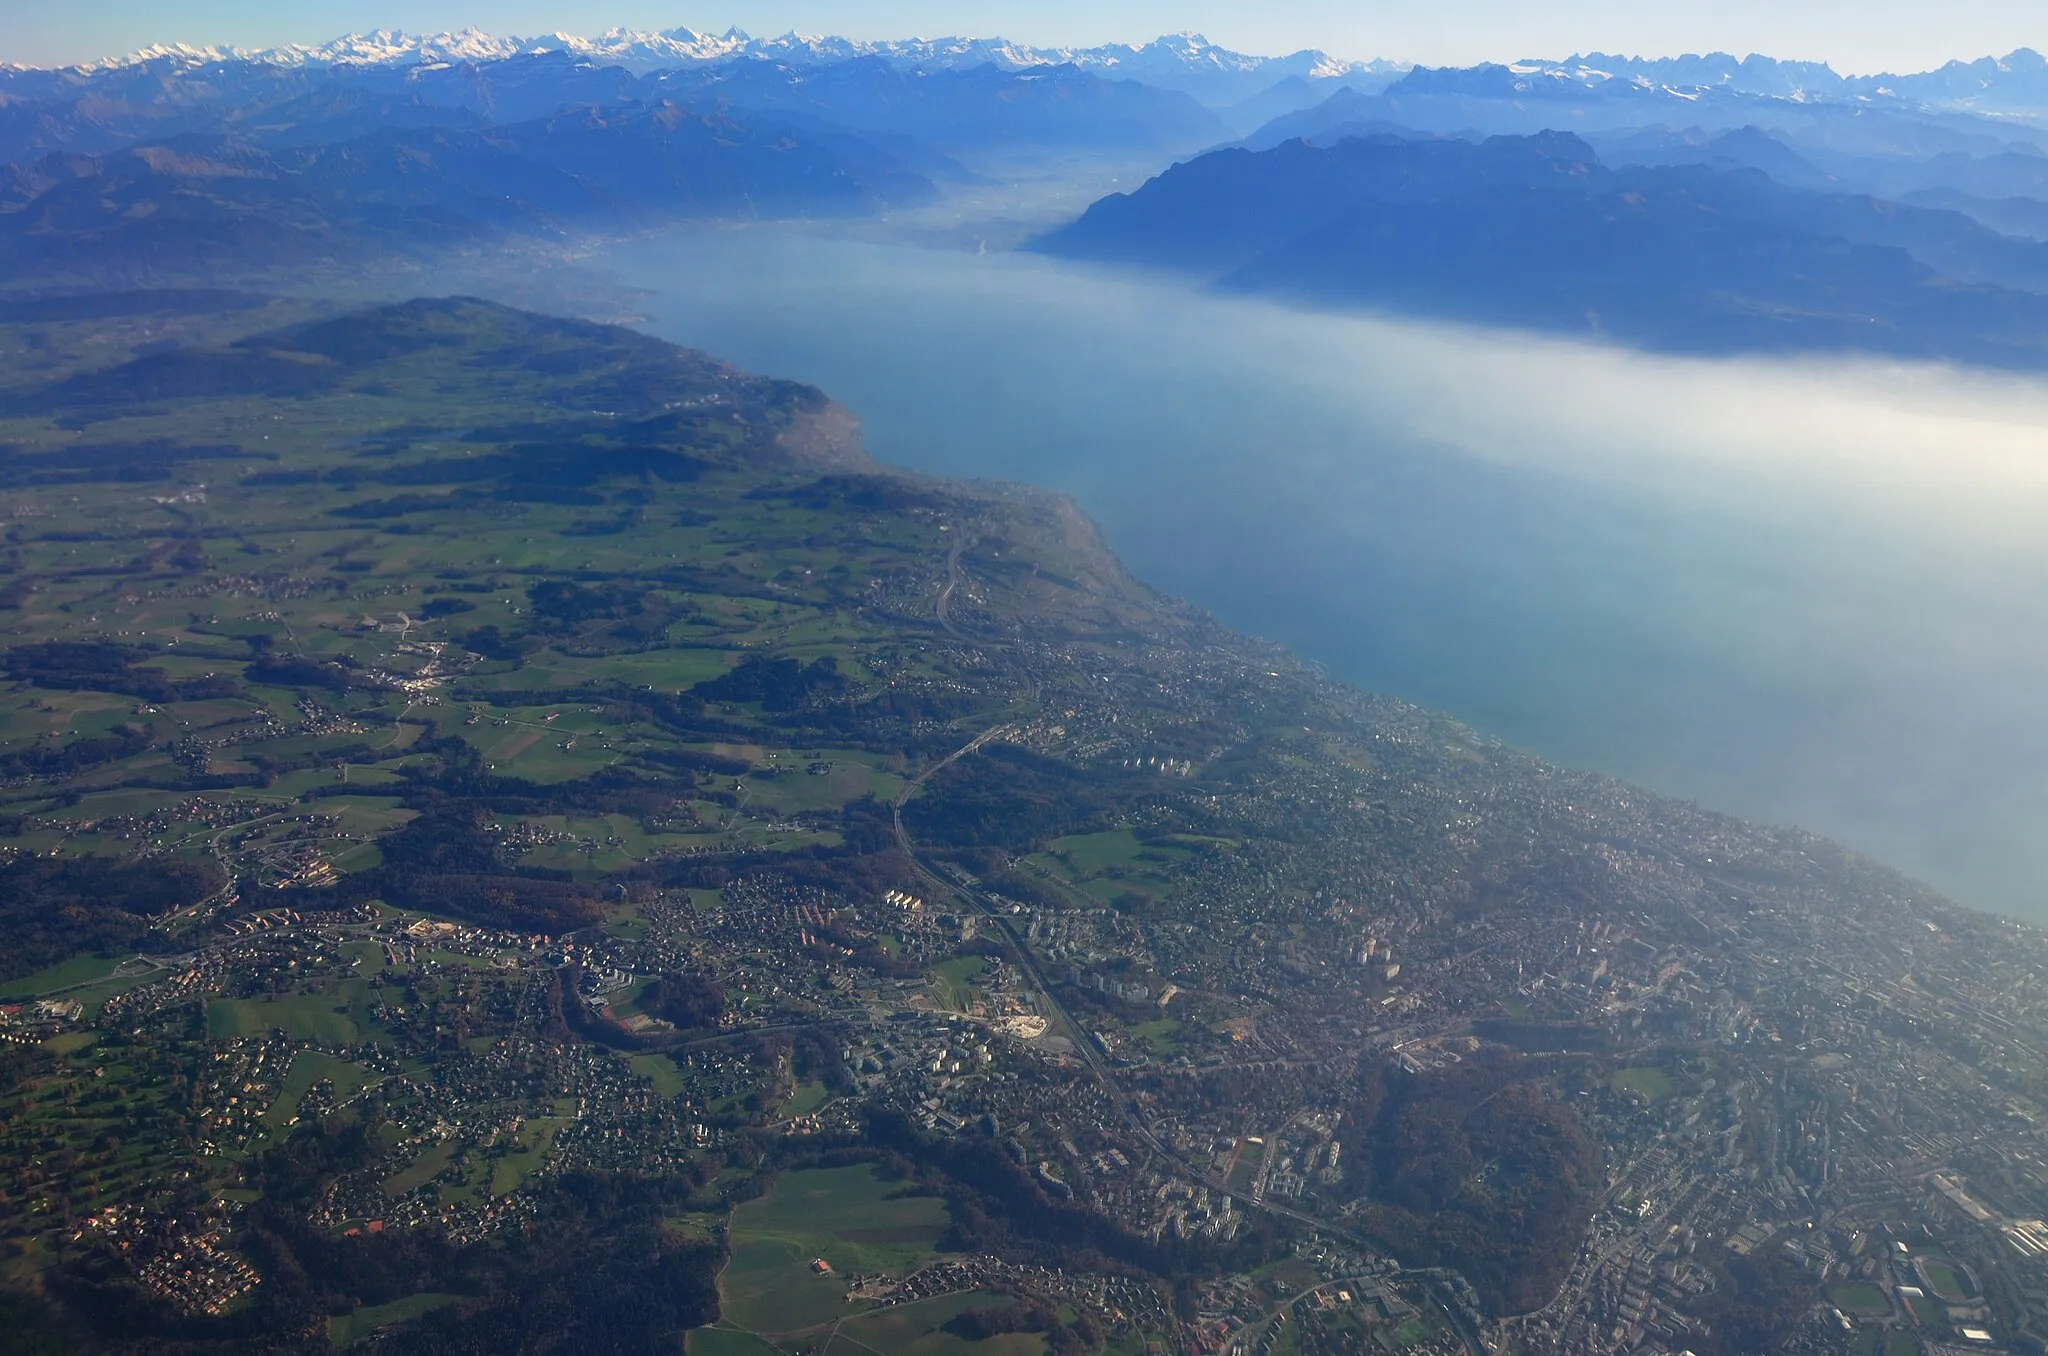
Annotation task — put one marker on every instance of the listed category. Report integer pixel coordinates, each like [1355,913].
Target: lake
[1801,591]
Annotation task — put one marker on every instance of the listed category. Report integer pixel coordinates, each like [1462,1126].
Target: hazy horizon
[701,697]
[1780,587]
[1892,38]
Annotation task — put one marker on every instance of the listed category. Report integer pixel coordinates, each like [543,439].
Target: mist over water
[1803,592]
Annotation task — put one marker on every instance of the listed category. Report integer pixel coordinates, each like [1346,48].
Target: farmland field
[853,1218]
[919,1330]
[355,1327]
[303,1016]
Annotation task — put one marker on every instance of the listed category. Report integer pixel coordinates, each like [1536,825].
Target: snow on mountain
[2016,83]
[1187,61]
[1716,70]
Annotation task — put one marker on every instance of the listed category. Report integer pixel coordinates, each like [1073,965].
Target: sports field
[1650,1084]
[1860,1300]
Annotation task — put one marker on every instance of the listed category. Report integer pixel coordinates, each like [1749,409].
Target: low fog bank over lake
[1799,591]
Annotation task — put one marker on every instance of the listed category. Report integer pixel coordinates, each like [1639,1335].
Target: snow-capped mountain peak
[1186,61]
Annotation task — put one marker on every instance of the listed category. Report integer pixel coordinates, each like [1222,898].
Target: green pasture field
[368,957]
[509,1172]
[661,1071]
[378,533]
[71,974]
[308,1068]
[806,1098]
[796,791]
[919,1330]
[1102,866]
[308,1017]
[852,1217]
[422,1170]
[1091,854]
[29,717]
[1158,1036]
[351,1328]
[720,1341]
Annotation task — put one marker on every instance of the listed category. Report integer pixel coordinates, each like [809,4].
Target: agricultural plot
[721,1341]
[309,1017]
[919,1330]
[355,1327]
[447,563]
[72,974]
[853,1219]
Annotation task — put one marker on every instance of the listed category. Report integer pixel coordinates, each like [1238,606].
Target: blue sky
[1856,35]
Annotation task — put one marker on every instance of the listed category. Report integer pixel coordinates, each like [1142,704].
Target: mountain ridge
[2017,80]
[1180,60]
[1536,232]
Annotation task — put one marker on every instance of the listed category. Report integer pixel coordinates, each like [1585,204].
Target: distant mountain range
[1715,256]
[2017,83]
[1185,62]
[124,172]
[197,204]
[1496,100]
[1700,203]
[964,111]
[973,109]
[1188,62]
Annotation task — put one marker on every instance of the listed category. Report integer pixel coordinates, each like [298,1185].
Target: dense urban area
[515,834]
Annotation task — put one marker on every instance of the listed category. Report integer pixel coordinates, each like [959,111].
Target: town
[902,918]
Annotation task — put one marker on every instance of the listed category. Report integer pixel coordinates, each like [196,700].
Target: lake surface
[1803,592]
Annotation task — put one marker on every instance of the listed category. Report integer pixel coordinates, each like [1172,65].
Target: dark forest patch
[1479,1167]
